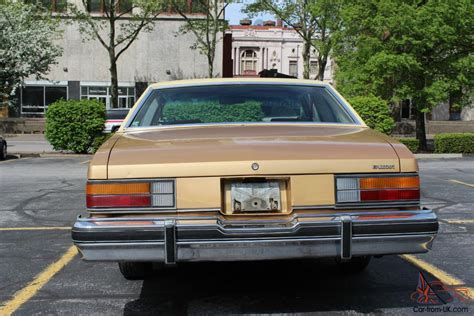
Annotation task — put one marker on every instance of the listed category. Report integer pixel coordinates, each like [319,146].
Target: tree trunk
[421,128]
[210,68]
[112,58]
[113,81]
[322,62]
[306,58]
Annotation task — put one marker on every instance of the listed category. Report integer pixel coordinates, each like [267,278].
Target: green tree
[26,45]
[329,25]
[399,49]
[205,28]
[117,29]
[297,15]
[317,22]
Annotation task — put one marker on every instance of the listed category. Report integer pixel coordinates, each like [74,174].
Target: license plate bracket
[255,196]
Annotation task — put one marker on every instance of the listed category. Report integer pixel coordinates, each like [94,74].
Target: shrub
[99,140]
[374,111]
[212,112]
[74,124]
[462,143]
[412,143]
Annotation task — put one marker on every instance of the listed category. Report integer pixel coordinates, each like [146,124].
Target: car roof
[223,81]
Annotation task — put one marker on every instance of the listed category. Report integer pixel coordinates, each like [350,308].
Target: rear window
[241,104]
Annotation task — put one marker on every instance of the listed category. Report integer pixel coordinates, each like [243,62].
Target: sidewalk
[37,144]
[28,143]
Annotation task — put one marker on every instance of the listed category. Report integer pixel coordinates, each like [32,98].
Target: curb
[439,156]
[46,154]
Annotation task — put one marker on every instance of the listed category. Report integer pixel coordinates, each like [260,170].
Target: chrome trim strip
[94,181]
[387,204]
[144,210]
[377,175]
[312,207]
[148,92]
[350,205]
[278,219]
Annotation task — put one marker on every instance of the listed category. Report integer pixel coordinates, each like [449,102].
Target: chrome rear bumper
[170,240]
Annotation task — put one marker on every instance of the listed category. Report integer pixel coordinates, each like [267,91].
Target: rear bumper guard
[211,238]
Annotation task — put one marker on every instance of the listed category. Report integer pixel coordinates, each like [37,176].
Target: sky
[233,14]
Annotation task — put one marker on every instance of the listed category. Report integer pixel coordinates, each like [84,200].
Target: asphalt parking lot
[41,274]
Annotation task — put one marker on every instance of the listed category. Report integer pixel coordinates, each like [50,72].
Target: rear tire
[136,270]
[354,265]
[3,151]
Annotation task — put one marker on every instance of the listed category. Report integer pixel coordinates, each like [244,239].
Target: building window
[197,6]
[189,6]
[293,69]
[36,98]
[53,5]
[313,67]
[102,94]
[249,62]
[407,111]
[100,6]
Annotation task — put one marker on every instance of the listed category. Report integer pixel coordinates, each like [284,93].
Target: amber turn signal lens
[118,188]
[389,183]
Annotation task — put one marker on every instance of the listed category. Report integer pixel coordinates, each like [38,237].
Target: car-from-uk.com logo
[434,297]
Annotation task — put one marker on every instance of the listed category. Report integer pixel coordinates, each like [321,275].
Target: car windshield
[244,103]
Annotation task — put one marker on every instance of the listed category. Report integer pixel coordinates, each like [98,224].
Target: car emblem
[383,167]
[255,166]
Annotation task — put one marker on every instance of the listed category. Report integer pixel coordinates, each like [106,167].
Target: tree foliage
[317,22]
[118,29]
[212,112]
[206,28]
[405,49]
[26,45]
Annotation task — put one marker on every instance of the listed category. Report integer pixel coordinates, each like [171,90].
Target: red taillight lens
[389,195]
[118,200]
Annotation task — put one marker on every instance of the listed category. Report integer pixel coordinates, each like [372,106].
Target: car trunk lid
[230,150]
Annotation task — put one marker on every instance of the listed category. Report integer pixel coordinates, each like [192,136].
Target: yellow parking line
[22,296]
[460,221]
[460,182]
[34,228]
[444,277]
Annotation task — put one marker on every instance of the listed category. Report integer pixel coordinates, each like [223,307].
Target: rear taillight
[136,194]
[352,189]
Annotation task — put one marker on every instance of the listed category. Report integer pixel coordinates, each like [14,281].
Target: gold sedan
[249,169]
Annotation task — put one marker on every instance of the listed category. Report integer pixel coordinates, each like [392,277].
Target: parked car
[114,119]
[3,148]
[249,169]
